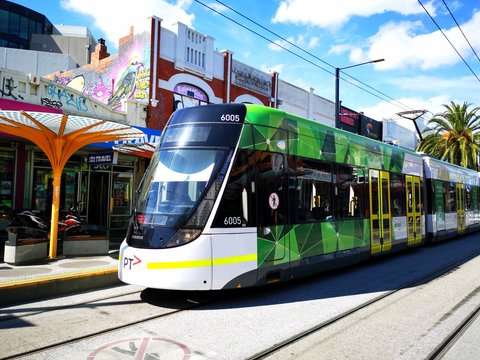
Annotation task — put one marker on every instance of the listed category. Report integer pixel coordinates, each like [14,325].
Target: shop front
[103,189]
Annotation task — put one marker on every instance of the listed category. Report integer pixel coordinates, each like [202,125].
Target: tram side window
[450,203]
[235,208]
[475,197]
[314,188]
[350,192]
[397,194]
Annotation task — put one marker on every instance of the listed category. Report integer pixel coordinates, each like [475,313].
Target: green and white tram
[244,195]
[453,199]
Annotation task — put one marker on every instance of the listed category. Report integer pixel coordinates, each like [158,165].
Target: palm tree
[454,135]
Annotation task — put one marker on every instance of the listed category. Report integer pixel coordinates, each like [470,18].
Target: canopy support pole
[57,177]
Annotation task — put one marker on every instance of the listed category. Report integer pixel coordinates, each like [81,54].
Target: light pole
[337,87]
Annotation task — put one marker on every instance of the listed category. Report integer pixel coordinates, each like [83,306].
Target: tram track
[188,303]
[436,354]
[13,311]
[442,349]
[177,304]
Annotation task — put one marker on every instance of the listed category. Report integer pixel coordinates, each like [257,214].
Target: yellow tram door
[380,213]
[460,192]
[414,210]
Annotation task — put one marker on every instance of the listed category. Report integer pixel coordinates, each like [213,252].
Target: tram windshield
[175,184]
[179,188]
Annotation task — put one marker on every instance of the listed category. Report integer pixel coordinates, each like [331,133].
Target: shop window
[7,165]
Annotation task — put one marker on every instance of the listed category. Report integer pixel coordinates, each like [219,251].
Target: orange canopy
[140,149]
[60,136]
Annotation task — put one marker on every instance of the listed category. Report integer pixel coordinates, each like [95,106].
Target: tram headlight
[184,236]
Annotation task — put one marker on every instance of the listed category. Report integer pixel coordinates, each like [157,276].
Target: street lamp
[337,86]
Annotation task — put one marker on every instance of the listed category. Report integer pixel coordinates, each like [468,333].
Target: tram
[241,195]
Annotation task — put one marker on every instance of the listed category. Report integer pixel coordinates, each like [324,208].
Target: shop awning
[140,149]
[60,136]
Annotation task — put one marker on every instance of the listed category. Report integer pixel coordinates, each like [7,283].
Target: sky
[430,48]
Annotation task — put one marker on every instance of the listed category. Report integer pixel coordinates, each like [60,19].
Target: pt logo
[129,262]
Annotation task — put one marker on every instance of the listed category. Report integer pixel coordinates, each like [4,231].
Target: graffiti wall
[122,76]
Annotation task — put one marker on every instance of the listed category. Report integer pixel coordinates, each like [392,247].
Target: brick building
[165,71]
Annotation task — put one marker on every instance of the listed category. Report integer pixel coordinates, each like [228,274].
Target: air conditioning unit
[34,79]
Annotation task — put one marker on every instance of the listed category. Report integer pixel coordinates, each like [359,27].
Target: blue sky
[422,70]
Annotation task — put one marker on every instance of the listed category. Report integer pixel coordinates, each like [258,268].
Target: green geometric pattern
[274,130]
[289,243]
[316,141]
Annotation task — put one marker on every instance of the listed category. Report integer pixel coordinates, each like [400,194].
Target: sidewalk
[62,276]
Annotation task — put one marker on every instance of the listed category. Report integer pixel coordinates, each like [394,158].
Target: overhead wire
[312,55]
[459,28]
[403,106]
[446,37]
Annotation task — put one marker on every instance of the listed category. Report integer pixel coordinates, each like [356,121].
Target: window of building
[24,34]
[14,24]
[3,21]
[187,95]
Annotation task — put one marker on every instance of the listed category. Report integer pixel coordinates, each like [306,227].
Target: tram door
[380,213]
[460,192]
[414,210]
[272,207]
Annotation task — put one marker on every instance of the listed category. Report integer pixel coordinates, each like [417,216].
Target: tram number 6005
[232,220]
[230,117]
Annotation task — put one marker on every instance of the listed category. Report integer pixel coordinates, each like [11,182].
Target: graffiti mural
[59,97]
[117,78]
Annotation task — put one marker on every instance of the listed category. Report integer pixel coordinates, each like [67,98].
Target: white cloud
[218,7]
[334,14]
[313,43]
[404,47]
[388,110]
[340,49]
[114,18]
[280,45]
[270,68]
[300,42]
[460,85]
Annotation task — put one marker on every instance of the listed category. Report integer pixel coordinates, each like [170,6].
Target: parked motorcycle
[29,223]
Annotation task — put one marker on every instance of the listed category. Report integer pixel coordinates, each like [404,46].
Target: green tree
[453,135]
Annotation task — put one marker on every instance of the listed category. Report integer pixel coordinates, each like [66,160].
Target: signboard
[151,136]
[251,78]
[103,158]
[349,120]
[371,128]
